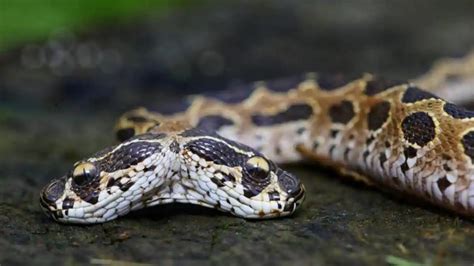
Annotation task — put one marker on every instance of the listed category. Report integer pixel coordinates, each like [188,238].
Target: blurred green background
[30,20]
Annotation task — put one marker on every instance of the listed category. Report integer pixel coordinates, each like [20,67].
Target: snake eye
[84,173]
[257,167]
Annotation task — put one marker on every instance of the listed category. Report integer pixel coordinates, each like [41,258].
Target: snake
[223,150]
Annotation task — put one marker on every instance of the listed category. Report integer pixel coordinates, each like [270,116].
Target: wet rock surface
[59,99]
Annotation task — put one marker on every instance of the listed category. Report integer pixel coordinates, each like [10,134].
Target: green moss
[26,20]
[396,261]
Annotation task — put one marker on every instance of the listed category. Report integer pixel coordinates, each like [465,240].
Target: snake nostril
[53,191]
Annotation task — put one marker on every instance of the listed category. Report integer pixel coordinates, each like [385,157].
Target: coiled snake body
[381,132]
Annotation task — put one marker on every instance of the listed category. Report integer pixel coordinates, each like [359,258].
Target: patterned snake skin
[387,133]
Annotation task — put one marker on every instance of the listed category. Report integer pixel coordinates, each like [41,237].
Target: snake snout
[53,191]
[291,184]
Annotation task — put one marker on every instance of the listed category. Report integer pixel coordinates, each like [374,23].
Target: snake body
[388,133]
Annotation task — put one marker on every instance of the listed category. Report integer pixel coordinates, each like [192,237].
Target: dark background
[68,72]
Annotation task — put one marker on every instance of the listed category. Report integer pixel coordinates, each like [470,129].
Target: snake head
[111,182]
[236,178]
[156,168]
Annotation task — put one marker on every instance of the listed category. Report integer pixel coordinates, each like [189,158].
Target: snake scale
[222,151]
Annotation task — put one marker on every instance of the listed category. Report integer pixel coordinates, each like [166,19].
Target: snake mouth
[296,199]
[295,191]
[49,209]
